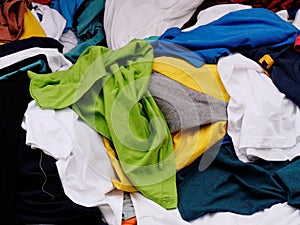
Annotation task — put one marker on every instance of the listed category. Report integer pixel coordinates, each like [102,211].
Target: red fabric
[273,5]
[12,19]
[44,2]
[131,221]
[297,43]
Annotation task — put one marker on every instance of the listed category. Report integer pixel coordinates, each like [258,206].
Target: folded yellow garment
[190,144]
[32,27]
[204,79]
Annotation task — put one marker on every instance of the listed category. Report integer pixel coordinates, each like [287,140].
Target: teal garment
[109,91]
[39,65]
[151,38]
[88,27]
[230,185]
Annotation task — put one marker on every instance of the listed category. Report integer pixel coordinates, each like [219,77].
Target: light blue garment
[250,28]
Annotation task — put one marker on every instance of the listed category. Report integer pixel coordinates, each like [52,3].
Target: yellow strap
[266,61]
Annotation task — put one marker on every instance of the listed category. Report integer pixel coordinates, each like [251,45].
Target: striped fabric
[273,5]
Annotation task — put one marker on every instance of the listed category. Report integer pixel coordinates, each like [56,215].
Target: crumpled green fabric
[109,91]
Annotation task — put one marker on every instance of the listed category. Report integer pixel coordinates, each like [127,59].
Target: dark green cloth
[230,185]
[109,91]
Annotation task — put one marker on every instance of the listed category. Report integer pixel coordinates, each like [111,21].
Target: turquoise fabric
[88,27]
[39,65]
[109,91]
[230,185]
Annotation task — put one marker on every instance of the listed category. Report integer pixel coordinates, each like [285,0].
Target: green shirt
[109,91]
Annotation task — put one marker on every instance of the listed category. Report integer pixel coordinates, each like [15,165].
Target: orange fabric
[12,19]
[131,221]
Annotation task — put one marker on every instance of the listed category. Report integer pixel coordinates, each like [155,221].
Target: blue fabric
[163,48]
[285,74]
[226,139]
[67,9]
[250,28]
[230,185]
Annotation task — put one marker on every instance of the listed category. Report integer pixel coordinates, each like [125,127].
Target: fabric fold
[109,91]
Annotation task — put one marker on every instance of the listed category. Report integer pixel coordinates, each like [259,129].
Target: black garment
[14,97]
[14,68]
[193,20]
[19,45]
[40,195]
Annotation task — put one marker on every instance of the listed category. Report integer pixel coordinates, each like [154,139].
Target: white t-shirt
[262,122]
[137,19]
[83,165]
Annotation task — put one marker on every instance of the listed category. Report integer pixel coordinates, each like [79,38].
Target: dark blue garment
[230,185]
[19,45]
[226,139]
[243,28]
[285,71]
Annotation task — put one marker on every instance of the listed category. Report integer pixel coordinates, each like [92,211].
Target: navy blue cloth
[230,185]
[285,71]
[243,28]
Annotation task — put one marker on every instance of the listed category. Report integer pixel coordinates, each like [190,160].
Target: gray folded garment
[184,107]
